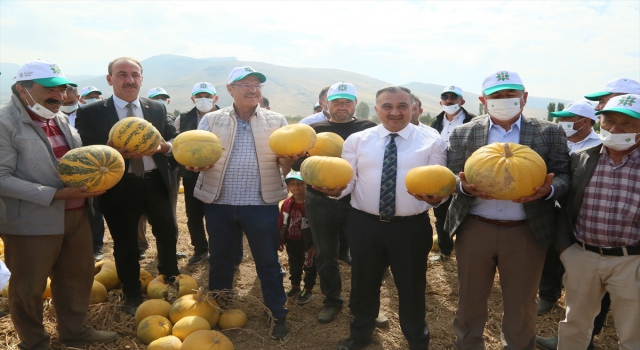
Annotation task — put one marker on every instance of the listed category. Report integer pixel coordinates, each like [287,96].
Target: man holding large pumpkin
[145,187]
[243,188]
[510,235]
[389,226]
[46,232]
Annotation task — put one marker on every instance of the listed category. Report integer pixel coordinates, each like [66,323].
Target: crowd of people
[579,230]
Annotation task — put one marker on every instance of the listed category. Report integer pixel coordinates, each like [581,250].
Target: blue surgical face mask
[89,101]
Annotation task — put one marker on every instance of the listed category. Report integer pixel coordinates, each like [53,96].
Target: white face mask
[504,109]
[165,103]
[69,109]
[204,104]
[89,101]
[568,128]
[40,110]
[619,142]
[453,109]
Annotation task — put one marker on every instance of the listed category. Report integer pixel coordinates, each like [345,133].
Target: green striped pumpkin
[98,167]
[136,134]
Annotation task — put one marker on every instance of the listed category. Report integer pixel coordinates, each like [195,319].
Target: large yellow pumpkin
[430,180]
[136,134]
[292,139]
[232,318]
[197,148]
[152,328]
[198,304]
[145,278]
[106,274]
[188,325]
[98,293]
[98,167]
[329,172]
[186,285]
[505,171]
[152,307]
[207,340]
[328,144]
[169,342]
[157,288]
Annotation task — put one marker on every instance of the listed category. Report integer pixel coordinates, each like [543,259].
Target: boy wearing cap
[452,115]
[295,234]
[603,216]
[243,189]
[511,236]
[46,231]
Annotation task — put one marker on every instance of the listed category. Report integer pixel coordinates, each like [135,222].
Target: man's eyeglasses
[445,97]
[249,86]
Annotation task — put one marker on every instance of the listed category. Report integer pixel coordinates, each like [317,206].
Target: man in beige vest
[243,188]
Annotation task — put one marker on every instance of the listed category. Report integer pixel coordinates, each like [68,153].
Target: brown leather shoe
[92,336]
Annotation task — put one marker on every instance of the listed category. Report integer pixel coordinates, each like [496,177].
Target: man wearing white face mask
[577,120]
[602,218]
[70,104]
[89,94]
[159,94]
[511,236]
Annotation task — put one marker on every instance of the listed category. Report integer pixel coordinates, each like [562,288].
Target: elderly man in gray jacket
[46,231]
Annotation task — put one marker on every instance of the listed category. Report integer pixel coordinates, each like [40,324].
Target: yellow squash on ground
[328,144]
[198,304]
[430,180]
[145,279]
[136,134]
[152,328]
[330,172]
[186,285]
[151,307]
[292,139]
[207,340]
[506,171]
[188,325]
[169,342]
[98,167]
[232,318]
[105,273]
[98,293]
[158,288]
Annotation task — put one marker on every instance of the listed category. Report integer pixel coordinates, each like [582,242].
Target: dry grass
[306,332]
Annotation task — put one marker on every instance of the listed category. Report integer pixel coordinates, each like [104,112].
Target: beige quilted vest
[224,125]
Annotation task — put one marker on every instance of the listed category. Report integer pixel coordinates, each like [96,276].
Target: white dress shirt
[123,112]
[365,151]
[591,140]
[447,126]
[314,118]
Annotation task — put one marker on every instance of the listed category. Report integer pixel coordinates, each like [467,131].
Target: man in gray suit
[512,236]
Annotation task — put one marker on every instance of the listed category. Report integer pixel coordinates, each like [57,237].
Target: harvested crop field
[306,332]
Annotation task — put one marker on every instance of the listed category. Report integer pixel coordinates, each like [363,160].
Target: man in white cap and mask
[509,236]
[615,87]
[159,94]
[70,104]
[89,94]
[46,232]
[577,120]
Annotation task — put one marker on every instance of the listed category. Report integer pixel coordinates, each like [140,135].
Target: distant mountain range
[291,91]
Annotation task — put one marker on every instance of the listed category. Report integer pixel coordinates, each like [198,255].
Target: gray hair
[323,92]
[394,89]
[72,90]
[27,84]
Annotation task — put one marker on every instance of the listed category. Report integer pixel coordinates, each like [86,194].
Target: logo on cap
[342,87]
[21,75]
[502,76]
[627,101]
[249,69]
[203,85]
[158,89]
[452,87]
[55,69]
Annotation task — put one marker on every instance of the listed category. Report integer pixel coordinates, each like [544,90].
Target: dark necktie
[137,164]
[388,180]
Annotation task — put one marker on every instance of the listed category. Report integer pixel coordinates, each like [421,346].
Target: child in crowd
[295,234]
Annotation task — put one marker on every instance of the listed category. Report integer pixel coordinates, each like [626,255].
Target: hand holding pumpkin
[124,151]
[433,200]
[330,192]
[541,192]
[75,193]
[471,189]
[198,169]
[289,160]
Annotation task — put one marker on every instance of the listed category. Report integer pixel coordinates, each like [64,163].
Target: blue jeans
[260,225]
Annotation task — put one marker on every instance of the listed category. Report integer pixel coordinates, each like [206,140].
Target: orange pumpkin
[328,144]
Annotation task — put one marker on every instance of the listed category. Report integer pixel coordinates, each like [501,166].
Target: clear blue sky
[563,49]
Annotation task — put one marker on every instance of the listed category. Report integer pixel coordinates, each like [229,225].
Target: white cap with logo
[239,73]
[620,86]
[342,90]
[455,89]
[153,92]
[578,108]
[89,89]
[626,104]
[43,72]
[203,87]
[502,80]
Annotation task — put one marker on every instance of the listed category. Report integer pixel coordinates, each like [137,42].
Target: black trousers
[445,242]
[403,245]
[195,215]
[295,252]
[150,197]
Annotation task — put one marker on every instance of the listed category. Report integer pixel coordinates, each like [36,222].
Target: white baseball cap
[239,73]
[293,175]
[43,72]
[627,104]
[89,89]
[578,108]
[153,92]
[455,89]
[203,87]
[342,90]
[502,80]
[316,105]
[621,85]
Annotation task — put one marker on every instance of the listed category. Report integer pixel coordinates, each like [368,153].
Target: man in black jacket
[144,188]
[452,115]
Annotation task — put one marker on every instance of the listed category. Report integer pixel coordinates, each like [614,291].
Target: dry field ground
[306,332]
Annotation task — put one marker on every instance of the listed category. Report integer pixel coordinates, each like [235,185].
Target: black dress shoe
[3,314]
[142,255]
[130,305]
[98,255]
[353,344]
[181,255]
[346,257]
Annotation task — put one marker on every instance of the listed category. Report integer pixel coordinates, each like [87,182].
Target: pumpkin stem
[104,169]
[507,151]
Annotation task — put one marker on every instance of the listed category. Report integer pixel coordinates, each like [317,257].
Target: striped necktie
[388,180]
[137,164]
